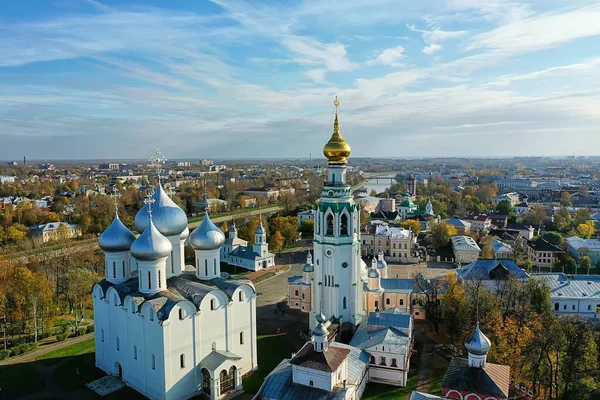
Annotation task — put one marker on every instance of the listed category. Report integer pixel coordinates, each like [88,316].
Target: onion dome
[321,318]
[207,236]
[168,218]
[184,235]
[373,273]
[260,229]
[116,237]
[320,330]
[151,244]
[477,343]
[337,150]
[308,268]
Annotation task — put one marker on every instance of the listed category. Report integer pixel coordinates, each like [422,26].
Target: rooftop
[328,361]
[465,243]
[574,287]
[492,380]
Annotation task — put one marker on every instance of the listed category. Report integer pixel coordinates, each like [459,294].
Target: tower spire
[115,195]
[337,149]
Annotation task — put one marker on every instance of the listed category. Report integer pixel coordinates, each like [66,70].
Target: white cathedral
[168,330]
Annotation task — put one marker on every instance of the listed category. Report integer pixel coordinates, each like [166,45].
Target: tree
[487,252]
[565,199]
[307,227]
[454,304]
[16,233]
[586,230]
[582,215]
[585,263]
[554,238]
[373,192]
[52,217]
[562,220]
[504,207]
[431,290]
[537,216]
[78,284]
[412,225]
[441,234]
[276,242]
[288,202]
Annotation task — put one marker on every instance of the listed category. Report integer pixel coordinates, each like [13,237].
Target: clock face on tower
[329,252]
[344,265]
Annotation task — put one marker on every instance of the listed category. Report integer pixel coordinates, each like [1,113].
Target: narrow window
[382,361]
[181,314]
[344,303]
[296,292]
[172,264]
[330,224]
[376,304]
[123,268]
[151,315]
[332,280]
[115,301]
[134,352]
[401,302]
[212,304]
[387,301]
[153,361]
[394,363]
[372,360]
[241,296]
[311,383]
[159,280]
[344,225]
[182,361]
[589,307]
[118,346]
[114,269]
[215,266]
[241,337]
[102,334]
[149,281]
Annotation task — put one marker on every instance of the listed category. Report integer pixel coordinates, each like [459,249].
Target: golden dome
[337,150]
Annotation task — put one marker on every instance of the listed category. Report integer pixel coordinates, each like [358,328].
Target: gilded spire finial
[337,149]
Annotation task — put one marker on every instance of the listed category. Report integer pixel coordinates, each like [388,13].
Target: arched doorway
[206,381]
[226,382]
[118,370]
[232,373]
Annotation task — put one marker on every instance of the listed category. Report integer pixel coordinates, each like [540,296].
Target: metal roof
[465,243]
[575,287]
[481,269]
[422,396]
[492,380]
[216,358]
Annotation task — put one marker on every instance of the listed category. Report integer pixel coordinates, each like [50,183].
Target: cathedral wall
[320,379]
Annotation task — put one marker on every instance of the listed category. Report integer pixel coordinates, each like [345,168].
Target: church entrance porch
[220,376]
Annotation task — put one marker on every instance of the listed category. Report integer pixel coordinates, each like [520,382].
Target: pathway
[32,356]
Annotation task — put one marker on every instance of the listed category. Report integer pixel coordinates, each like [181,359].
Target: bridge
[391,179]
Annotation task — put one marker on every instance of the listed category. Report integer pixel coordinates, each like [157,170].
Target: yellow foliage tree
[412,224]
[586,230]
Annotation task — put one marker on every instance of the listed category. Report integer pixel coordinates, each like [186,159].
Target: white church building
[168,330]
[236,251]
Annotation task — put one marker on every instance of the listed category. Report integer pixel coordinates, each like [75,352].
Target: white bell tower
[337,262]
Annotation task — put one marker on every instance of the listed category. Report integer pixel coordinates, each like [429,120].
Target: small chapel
[166,329]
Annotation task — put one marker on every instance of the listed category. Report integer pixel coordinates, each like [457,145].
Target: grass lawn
[377,391]
[439,370]
[19,380]
[271,350]
[233,270]
[55,356]
[65,376]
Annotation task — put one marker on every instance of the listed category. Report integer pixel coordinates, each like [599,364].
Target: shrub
[4,354]
[81,331]
[62,337]
[90,329]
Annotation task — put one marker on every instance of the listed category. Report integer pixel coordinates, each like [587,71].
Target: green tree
[554,238]
[504,207]
[582,215]
[562,220]
[307,227]
[78,283]
[585,263]
[537,216]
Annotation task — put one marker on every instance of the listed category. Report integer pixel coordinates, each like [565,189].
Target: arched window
[394,245]
[123,268]
[394,363]
[372,360]
[241,295]
[149,280]
[212,304]
[332,280]
[153,361]
[181,314]
[214,266]
[311,383]
[344,225]
[241,337]
[114,269]
[344,303]
[134,352]
[102,334]
[159,280]
[330,224]
[118,344]
[182,361]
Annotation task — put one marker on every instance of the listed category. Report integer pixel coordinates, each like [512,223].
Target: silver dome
[477,343]
[373,273]
[206,236]
[381,264]
[320,330]
[151,244]
[184,235]
[308,268]
[168,218]
[116,237]
[321,318]
[260,229]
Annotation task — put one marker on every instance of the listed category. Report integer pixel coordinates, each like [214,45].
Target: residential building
[110,166]
[578,247]
[462,227]
[512,197]
[527,232]
[522,208]
[308,215]
[269,193]
[479,223]
[206,162]
[543,253]
[397,244]
[7,179]
[159,324]
[502,251]
[52,231]
[213,205]
[499,220]
[465,249]
[573,294]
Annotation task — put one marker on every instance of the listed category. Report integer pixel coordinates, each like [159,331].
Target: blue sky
[231,78]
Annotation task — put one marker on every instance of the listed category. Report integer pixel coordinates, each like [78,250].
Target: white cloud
[391,56]
[432,48]
[434,36]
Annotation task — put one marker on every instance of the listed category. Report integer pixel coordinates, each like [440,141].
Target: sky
[114,79]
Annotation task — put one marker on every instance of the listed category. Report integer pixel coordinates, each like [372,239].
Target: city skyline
[231,79]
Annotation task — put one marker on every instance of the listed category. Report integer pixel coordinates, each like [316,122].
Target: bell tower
[337,262]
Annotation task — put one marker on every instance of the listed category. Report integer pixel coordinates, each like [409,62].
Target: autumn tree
[454,304]
[585,230]
[441,234]
[537,216]
[413,225]
[79,281]
[276,242]
[585,263]
[565,199]
[487,252]
[582,215]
